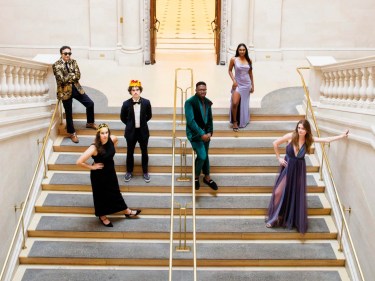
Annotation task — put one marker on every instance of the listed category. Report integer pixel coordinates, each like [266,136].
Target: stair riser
[189,236]
[168,133]
[165,262]
[167,189]
[216,117]
[164,169]
[149,211]
[160,150]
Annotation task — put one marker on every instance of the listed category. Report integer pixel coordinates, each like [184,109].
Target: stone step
[167,114]
[270,110]
[159,204]
[156,253]
[174,40]
[221,128]
[161,183]
[163,145]
[163,163]
[158,227]
[95,273]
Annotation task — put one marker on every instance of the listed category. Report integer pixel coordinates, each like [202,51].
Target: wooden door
[153,29]
[217,29]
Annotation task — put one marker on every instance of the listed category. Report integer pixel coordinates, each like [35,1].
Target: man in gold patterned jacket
[67,76]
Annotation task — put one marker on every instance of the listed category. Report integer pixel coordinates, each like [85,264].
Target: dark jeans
[83,99]
[131,142]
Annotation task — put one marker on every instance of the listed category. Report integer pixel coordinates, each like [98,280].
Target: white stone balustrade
[22,81]
[349,84]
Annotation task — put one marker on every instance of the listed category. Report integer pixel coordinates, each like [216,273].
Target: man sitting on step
[67,76]
[199,129]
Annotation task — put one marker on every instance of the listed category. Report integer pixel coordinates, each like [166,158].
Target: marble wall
[280,29]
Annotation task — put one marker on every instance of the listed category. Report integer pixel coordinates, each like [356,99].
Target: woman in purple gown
[242,87]
[288,207]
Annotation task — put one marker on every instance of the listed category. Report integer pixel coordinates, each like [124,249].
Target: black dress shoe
[211,184]
[197,184]
[133,213]
[107,225]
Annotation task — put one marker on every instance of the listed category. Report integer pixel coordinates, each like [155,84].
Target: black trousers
[85,101]
[131,142]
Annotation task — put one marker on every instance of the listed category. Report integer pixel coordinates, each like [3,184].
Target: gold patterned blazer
[65,78]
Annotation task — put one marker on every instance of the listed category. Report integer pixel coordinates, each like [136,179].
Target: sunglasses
[66,54]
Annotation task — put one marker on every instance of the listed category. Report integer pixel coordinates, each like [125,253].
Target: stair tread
[239,180]
[206,250]
[162,225]
[218,125]
[221,142]
[66,158]
[94,274]
[161,201]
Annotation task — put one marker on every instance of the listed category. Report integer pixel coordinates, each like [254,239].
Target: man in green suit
[199,129]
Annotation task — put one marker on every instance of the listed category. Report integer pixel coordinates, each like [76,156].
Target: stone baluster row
[21,84]
[349,87]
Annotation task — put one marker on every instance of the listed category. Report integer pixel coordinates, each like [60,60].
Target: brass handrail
[23,206]
[176,87]
[328,167]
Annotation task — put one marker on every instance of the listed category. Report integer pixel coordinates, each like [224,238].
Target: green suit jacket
[196,124]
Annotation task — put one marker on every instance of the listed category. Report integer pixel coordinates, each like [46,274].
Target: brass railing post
[44,158]
[183,152]
[183,234]
[183,162]
[183,99]
[16,208]
[184,93]
[349,210]
[321,164]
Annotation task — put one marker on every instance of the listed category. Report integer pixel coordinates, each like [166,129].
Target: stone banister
[348,85]
[22,81]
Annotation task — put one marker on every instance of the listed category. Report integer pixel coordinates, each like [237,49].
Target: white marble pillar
[240,17]
[131,41]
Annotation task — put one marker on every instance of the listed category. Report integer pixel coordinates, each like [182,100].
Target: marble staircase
[67,242]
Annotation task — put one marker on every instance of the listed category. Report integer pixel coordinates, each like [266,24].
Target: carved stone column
[131,44]
[241,24]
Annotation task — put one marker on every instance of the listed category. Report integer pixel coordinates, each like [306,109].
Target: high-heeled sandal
[235,126]
[106,225]
[133,213]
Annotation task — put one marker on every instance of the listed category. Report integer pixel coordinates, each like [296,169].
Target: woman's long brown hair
[308,138]
[98,144]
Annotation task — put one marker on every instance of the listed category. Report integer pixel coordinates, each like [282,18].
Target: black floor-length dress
[105,187]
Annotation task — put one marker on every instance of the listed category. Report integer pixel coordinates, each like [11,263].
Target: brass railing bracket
[183,165]
[184,247]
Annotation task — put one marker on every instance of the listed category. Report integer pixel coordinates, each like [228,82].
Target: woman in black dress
[105,187]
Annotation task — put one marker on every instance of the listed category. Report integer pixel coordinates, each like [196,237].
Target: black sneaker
[128,176]
[146,177]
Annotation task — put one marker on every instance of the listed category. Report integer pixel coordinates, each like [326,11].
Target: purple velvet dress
[288,206]
[244,85]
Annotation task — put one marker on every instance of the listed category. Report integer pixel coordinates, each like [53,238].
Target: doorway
[185,26]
